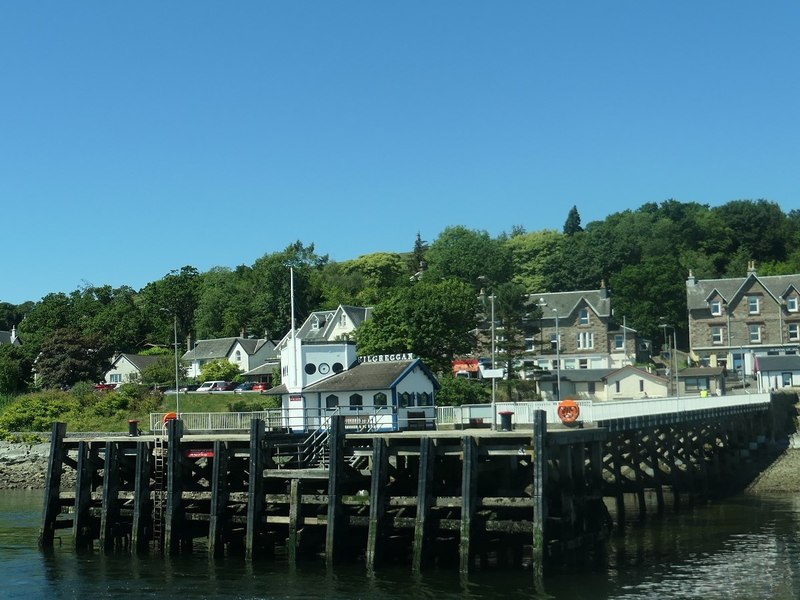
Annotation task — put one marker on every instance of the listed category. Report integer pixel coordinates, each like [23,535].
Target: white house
[386,392]
[777,372]
[245,353]
[10,337]
[330,325]
[627,382]
[127,368]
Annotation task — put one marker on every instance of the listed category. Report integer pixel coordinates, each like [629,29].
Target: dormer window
[583,316]
[753,305]
[716,307]
[791,304]
[315,323]
[343,320]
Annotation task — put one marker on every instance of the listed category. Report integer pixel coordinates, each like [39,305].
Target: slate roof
[584,375]
[363,376]
[221,347]
[266,369]
[637,371]
[566,303]
[701,372]
[327,320]
[699,292]
[5,337]
[137,360]
[789,362]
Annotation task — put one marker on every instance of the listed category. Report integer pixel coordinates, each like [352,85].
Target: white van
[214,386]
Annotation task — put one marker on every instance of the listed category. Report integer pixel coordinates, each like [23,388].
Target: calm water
[746,548]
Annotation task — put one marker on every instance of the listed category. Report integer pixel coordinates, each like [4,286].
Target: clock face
[324,368]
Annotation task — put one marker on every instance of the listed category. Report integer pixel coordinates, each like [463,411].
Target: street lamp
[673,355]
[175,343]
[558,356]
[494,373]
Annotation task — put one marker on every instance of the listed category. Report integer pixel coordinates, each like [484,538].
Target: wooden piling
[255,489]
[377,501]
[335,521]
[52,486]
[82,535]
[422,523]
[538,443]
[293,540]
[469,485]
[174,515]
[142,505]
[220,494]
[109,522]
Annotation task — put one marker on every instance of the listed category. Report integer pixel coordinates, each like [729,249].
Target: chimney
[603,289]
[691,280]
[751,267]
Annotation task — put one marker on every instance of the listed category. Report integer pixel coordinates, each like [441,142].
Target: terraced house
[734,321]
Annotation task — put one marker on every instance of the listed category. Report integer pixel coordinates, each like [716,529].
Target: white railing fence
[468,414]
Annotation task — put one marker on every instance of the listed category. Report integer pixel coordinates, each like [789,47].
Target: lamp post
[673,360]
[558,356]
[494,352]
[175,344]
[177,388]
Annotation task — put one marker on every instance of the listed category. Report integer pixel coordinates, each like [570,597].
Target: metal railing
[522,412]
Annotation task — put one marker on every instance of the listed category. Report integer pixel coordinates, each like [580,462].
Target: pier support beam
[335,522]
[255,488]
[422,524]
[469,501]
[110,521]
[142,505]
[52,485]
[81,524]
[218,519]
[174,515]
[538,443]
[377,501]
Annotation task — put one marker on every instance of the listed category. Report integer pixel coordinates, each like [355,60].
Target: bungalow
[776,372]
[127,368]
[696,381]
[627,382]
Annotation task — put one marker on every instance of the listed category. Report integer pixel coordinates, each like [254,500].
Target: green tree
[219,370]
[15,369]
[573,222]
[430,319]
[418,254]
[161,372]
[532,254]
[515,321]
[456,391]
[468,255]
[173,296]
[70,356]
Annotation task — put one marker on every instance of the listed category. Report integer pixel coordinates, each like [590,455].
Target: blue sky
[136,138]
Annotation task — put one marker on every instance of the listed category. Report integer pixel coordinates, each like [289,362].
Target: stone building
[735,320]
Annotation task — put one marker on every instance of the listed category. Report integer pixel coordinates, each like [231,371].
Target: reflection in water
[745,548]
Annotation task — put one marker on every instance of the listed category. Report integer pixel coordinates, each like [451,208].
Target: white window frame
[585,340]
[753,305]
[583,316]
[717,335]
[755,334]
[583,363]
[555,341]
[791,304]
[794,332]
[619,342]
[716,307]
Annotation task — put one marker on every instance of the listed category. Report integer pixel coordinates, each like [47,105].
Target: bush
[36,412]
[254,405]
[456,391]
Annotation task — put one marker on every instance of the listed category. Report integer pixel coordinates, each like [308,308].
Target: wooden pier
[462,499]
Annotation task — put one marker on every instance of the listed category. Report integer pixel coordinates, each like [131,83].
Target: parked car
[247,386]
[261,386]
[104,387]
[216,386]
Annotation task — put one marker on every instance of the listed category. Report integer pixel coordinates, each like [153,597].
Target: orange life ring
[568,411]
[170,416]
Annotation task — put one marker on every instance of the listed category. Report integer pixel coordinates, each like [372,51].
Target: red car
[104,387]
[261,386]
